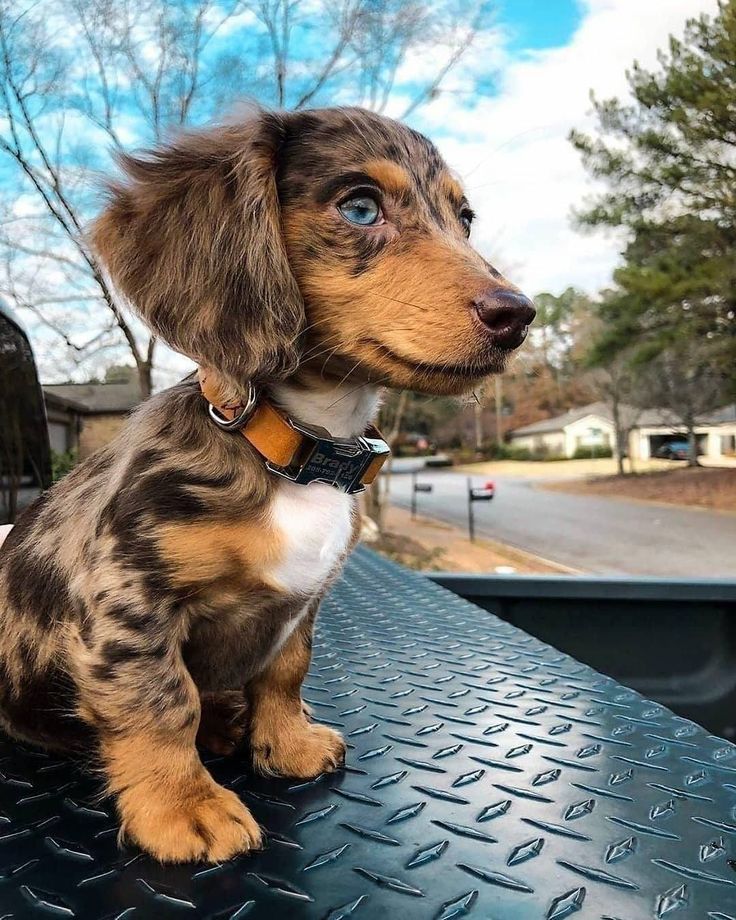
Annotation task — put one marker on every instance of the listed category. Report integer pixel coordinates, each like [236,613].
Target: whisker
[405,303]
[317,322]
[331,353]
[319,349]
[345,377]
[374,383]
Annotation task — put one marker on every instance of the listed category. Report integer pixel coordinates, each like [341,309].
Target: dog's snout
[506,314]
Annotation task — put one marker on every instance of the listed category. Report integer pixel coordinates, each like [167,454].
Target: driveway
[590,534]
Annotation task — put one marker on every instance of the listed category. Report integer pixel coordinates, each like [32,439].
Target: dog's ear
[192,237]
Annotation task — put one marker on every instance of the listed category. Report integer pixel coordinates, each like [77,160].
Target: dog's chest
[313,524]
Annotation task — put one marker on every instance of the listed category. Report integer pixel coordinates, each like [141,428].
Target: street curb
[509,550]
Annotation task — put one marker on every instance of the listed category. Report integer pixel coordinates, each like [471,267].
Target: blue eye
[362,210]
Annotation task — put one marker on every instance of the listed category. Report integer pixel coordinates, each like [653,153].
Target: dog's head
[334,237]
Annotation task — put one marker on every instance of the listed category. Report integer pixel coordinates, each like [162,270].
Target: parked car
[674,450]
[414,444]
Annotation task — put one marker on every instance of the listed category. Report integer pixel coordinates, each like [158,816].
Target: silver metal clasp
[241,419]
[338,462]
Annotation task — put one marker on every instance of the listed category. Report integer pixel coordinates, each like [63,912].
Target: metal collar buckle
[241,419]
[338,462]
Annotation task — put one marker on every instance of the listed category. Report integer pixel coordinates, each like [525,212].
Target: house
[590,428]
[86,416]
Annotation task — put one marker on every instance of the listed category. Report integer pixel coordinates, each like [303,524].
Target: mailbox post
[482,494]
[415,488]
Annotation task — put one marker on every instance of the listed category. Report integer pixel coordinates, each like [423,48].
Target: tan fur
[171,805]
[208,552]
[390,176]
[283,740]
[440,271]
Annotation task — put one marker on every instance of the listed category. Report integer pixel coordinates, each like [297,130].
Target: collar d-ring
[241,419]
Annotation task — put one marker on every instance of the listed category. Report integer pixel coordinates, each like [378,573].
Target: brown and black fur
[135,616]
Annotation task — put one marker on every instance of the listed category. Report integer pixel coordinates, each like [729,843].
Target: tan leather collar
[298,452]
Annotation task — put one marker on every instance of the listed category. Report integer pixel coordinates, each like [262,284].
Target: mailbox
[417,487]
[482,493]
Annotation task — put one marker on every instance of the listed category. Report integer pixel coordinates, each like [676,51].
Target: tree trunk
[144,378]
[618,436]
[692,440]
[498,392]
[478,417]
[384,481]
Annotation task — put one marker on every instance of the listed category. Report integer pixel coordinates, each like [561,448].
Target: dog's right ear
[192,237]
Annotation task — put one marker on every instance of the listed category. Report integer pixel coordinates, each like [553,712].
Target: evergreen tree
[668,158]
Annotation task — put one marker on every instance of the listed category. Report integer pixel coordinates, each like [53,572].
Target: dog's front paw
[302,750]
[196,822]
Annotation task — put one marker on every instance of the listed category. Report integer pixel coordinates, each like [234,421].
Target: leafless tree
[684,381]
[82,77]
[622,387]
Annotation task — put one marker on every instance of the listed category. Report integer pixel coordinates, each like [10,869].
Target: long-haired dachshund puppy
[164,593]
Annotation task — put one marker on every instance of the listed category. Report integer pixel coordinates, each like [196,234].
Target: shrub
[62,463]
[594,452]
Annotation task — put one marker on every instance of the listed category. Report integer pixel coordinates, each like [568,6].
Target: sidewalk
[425,543]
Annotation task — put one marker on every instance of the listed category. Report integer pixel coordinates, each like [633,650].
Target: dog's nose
[506,314]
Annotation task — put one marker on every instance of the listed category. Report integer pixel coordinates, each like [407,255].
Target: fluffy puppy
[164,593]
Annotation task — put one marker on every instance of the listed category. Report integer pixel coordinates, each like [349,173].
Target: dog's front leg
[283,740]
[145,706]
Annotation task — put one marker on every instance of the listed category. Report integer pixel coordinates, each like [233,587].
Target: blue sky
[537,24]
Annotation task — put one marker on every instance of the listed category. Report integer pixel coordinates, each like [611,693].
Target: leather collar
[298,452]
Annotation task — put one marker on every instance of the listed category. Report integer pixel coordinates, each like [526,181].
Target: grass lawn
[701,487]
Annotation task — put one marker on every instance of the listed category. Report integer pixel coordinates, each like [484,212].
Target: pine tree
[668,157]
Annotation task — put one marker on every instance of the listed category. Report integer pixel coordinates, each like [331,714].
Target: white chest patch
[314,523]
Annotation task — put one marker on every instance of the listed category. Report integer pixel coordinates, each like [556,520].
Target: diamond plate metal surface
[489,776]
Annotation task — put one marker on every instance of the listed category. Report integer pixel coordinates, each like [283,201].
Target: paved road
[591,534]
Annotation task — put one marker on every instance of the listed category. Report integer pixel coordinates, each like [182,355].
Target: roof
[726,414]
[658,418]
[95,397]
[560,422]
[54,401]
[638,418]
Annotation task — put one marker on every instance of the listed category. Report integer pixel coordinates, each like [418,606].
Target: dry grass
[409,552]
[710,488]
[557,469]
[430,545]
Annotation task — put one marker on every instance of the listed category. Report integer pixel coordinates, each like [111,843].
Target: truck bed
[489,776]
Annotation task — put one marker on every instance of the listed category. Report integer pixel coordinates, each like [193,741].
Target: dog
[163,594]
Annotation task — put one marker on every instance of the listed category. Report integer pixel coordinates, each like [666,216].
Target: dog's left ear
[193,239]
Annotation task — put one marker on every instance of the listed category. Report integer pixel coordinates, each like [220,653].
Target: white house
[591,427]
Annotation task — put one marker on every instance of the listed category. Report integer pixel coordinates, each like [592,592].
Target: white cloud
[522,175]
